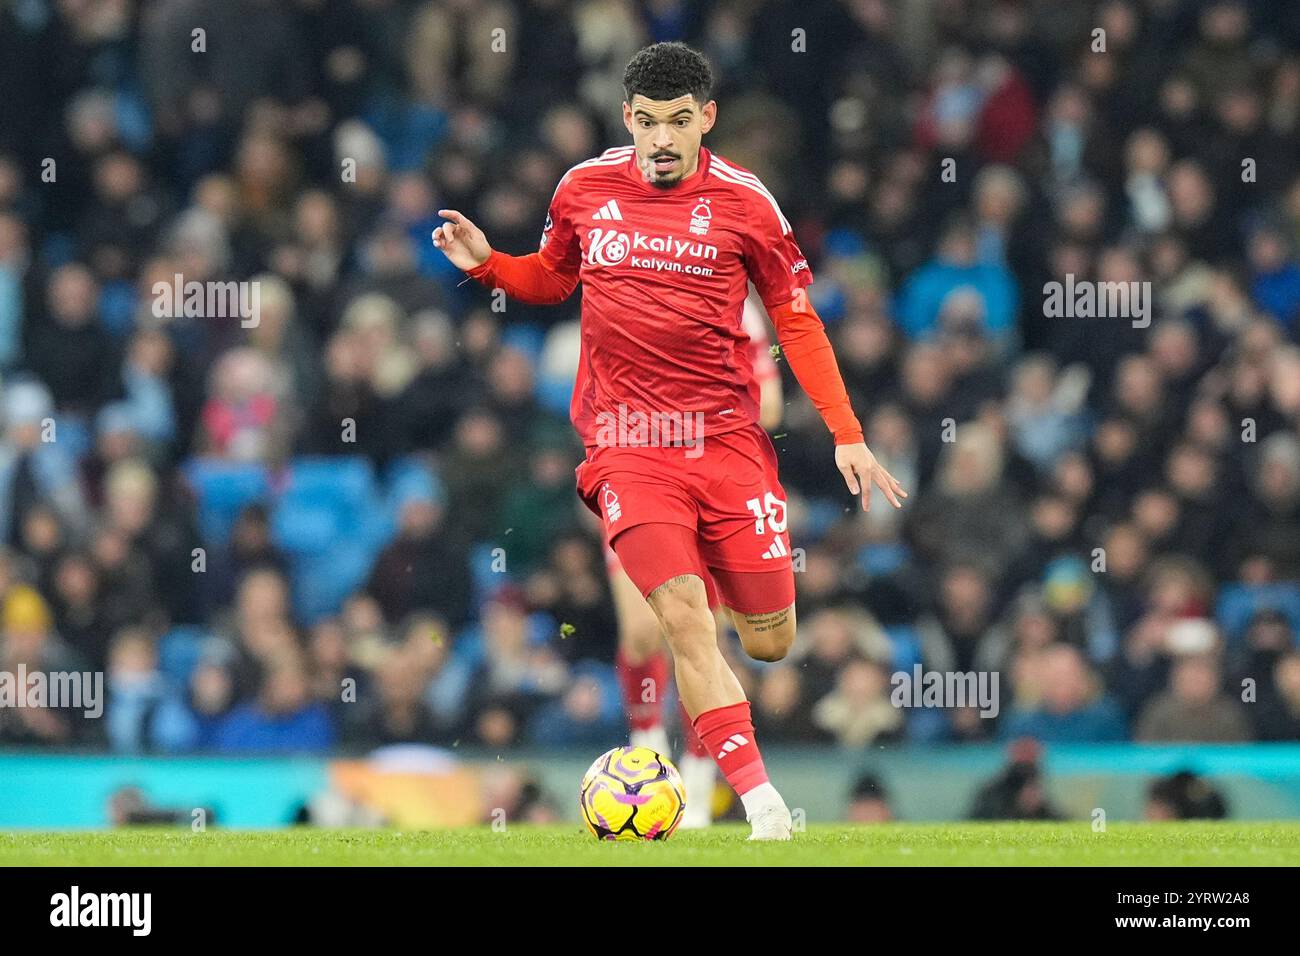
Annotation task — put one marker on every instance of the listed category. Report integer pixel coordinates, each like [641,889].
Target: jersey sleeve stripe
[727,173]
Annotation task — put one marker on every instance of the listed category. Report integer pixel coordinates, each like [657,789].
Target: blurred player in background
[641,663]
[666,237]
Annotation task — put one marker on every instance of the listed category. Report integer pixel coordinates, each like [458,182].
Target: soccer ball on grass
[632,793]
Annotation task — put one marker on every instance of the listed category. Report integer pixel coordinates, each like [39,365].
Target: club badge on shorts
[613,510]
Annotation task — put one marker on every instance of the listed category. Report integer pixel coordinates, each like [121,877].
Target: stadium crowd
[353,523]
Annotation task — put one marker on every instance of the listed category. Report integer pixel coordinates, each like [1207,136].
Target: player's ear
[709,115]
[627,115]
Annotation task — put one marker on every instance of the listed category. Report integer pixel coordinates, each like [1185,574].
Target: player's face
[667,135]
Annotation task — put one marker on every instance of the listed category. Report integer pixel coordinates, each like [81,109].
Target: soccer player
[664,236]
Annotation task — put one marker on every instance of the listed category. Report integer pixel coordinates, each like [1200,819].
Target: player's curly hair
[665,71]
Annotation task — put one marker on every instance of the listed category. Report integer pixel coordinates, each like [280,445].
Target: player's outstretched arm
[529,278]
[808,350]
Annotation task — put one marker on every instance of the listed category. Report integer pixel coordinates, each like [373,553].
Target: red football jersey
[665,273]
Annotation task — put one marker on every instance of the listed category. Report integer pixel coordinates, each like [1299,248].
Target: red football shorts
[724,492]
[612,565]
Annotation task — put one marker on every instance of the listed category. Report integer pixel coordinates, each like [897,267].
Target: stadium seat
[223,490]
[321,582]
[483,579]
[179,652]
[907,646]
[404,479]
[525,337]
[1238,603]
[325,501]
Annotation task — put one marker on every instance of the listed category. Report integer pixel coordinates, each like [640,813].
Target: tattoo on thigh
[671,584]
[759,623]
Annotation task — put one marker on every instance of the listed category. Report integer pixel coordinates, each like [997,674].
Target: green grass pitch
[943,844]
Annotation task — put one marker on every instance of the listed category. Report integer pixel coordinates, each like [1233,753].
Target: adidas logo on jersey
[777,550]
[608,211]
[734,742]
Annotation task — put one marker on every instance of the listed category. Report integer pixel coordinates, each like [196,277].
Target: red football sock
[642,714]
[728,732]
[691,742]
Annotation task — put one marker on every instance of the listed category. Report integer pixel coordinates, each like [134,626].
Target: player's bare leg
[699,772]
[715,701]
[704,680]
[642,666]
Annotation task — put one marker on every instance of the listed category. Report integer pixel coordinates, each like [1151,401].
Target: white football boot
[767,814]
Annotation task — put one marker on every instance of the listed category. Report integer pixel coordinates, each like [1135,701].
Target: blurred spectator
[858,712]
[1278,716]
[1057,700]
[395,712]
[589,714]
[27,641]
[869,801]
[146,713]
[1184,796]
[282,719]
[419,569]
[1194,708]
[514,676]
[782,711]
[1019,791]
[932,288]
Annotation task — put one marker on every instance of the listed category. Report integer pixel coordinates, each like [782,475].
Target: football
[632,793]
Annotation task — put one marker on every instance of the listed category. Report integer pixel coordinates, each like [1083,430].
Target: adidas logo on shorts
[776,550]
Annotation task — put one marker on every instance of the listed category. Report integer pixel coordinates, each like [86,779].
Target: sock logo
[734,742]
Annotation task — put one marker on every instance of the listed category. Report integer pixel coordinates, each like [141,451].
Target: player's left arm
[780,271]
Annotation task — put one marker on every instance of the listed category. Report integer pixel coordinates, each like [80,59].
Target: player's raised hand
[461,241]
[860,470]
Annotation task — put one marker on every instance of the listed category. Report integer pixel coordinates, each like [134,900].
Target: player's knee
[767,647]
[766,637]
